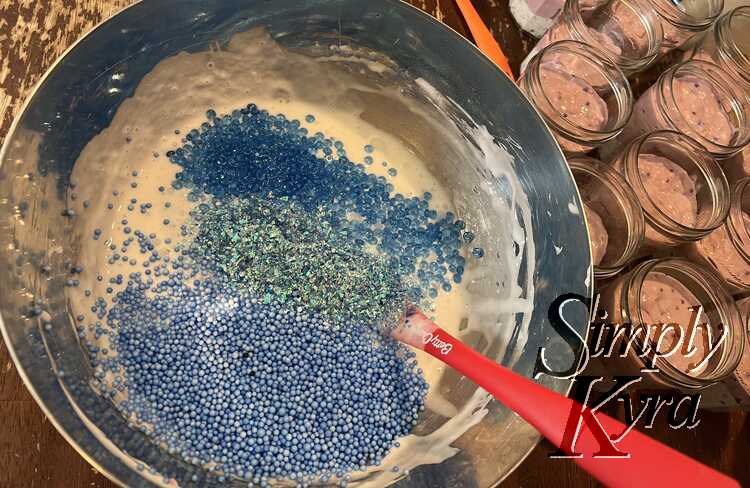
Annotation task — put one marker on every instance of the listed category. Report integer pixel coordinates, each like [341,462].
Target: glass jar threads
[727,248]
[727,45]
[627,31]
[681,188]
[613,215]
[696,98]
[682,21]
[679,344]
[582,95]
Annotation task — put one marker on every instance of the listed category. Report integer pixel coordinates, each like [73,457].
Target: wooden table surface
[33,33]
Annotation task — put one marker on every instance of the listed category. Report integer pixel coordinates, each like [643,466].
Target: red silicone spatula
[649,463]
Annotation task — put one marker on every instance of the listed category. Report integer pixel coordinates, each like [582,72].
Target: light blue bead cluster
[259,390]
[253,152]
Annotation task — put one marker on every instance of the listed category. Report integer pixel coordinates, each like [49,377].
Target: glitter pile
[278,250]
[253,346]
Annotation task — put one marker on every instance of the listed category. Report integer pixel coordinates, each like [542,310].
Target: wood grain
[33,33]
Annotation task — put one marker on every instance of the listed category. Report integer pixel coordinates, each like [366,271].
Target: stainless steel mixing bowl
[79,97]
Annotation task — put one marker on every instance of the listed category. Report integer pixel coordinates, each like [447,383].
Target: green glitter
[276,248]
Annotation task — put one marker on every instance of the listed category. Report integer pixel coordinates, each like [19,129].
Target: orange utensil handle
[483,37]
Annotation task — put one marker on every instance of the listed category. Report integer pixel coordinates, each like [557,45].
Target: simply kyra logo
[692,345]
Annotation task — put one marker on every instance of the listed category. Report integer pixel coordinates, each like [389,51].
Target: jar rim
[625,197]
[708,168]
[709,285]
[712,73]
[726,45]
[735,223]
[646,14]
[684,20]
[615,78]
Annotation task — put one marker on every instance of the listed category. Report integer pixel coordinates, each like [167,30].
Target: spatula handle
[483,37]
[646,462]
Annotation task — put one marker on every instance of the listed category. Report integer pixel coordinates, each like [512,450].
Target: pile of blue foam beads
[256,390]
[253,152]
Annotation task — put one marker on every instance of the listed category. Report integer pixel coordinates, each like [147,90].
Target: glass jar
[681,188]
[728,45]
[668,291]
[727,248]
[682,21]
[583,96]
[535,16]
[627,31]
[698,99]
[733,393]
[738,166]
[613,215]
